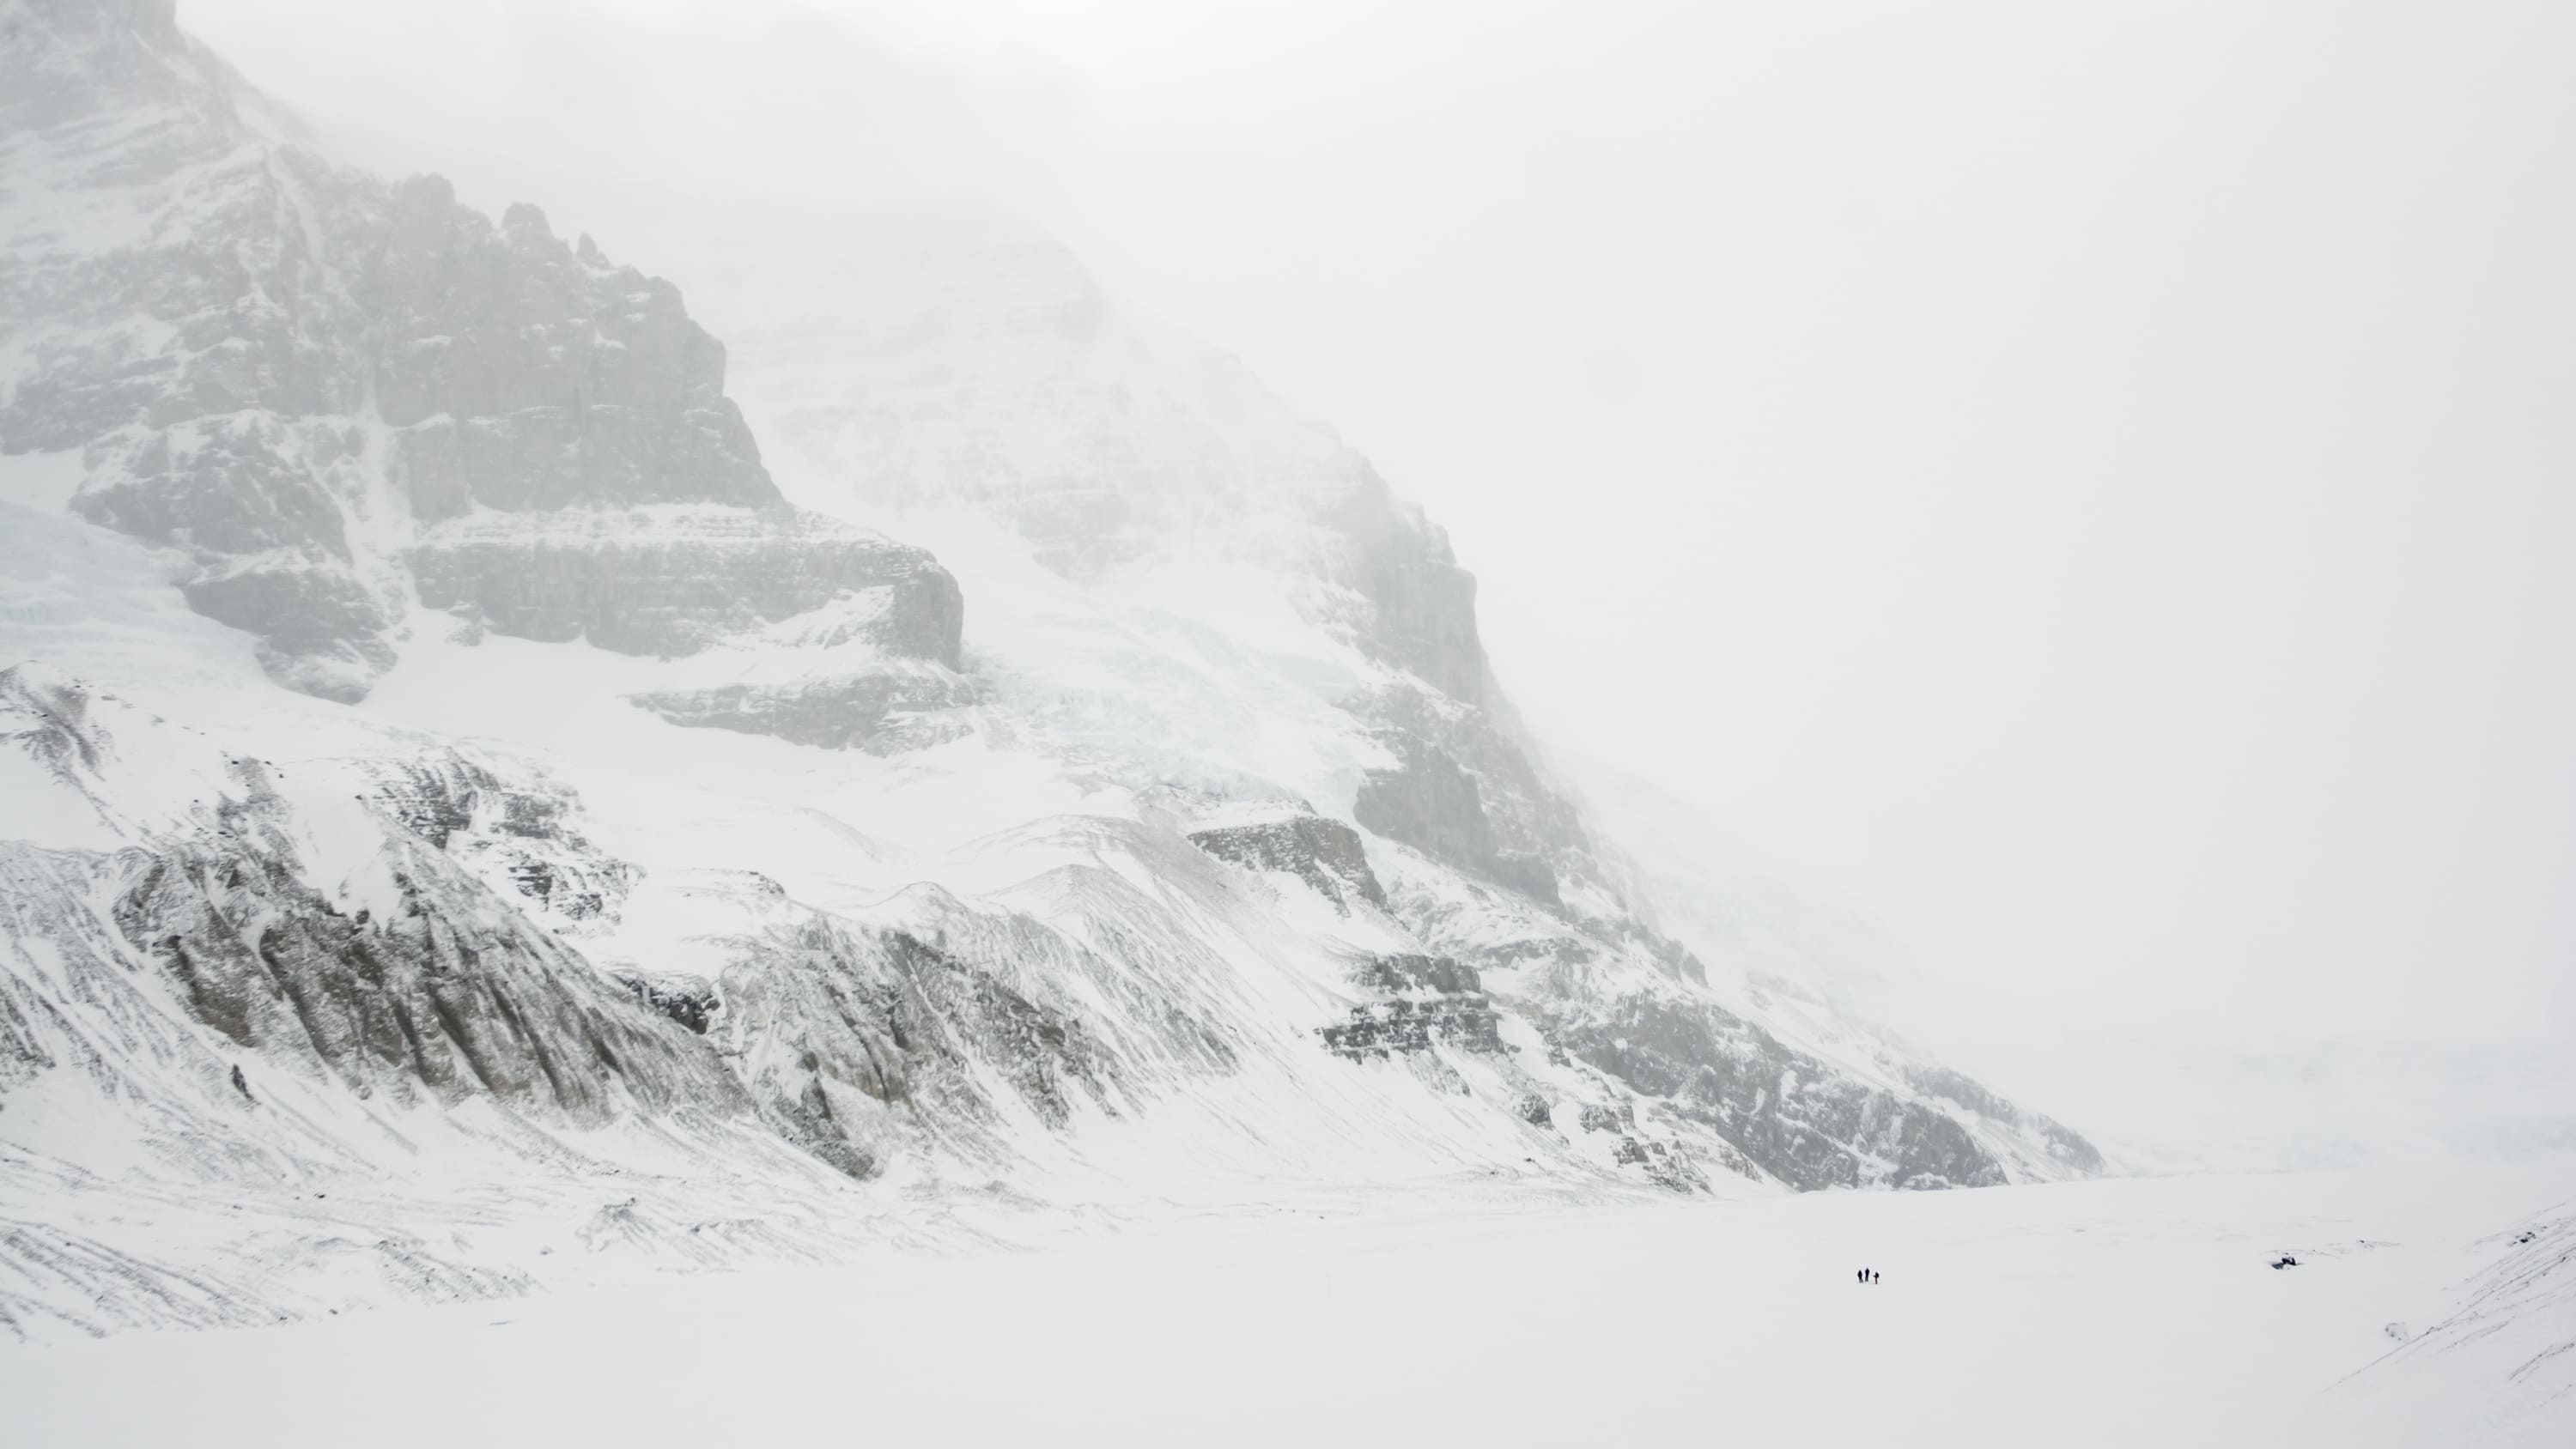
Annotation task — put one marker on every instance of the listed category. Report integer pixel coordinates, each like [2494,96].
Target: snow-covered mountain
[462,804]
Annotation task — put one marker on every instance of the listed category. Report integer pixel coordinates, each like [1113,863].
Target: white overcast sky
[2091,486]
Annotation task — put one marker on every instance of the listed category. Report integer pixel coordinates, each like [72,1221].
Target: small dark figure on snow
[1873,1275]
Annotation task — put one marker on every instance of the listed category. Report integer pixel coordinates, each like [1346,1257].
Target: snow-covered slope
[448,781]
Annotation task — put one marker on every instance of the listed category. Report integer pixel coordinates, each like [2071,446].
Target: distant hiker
[1873,1275]
[1861,1277]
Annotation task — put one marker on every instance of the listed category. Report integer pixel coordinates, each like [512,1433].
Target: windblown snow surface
[2126,1312]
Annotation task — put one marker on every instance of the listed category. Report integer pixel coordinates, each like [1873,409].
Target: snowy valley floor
[2121,1312]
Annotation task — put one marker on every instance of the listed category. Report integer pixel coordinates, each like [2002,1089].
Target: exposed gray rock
[1418,607]
[1464,792]
[114,119]
[523,375]
[2063,1143]
[691,1002]
[224,487]
[513,833]
[1796,1118]
[881,711]
[452,996]
[319,630]
[1423,999]
[1326,854]
[206,368]
[1608,1117]
[1670,1167]
[1432,804]
[849,1037]
[250,500]
[671,581]
[443,795]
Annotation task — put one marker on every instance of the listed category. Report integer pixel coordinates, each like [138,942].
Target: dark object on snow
[241,1084]
[2285,1261]
[1873,1275]
[2525,1238]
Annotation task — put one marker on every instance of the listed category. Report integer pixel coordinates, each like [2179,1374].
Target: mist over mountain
[472,725]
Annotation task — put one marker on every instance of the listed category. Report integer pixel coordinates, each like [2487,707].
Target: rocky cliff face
[519,373]
[286,370]
[864,1043]
[1327,856]
[676,580]
[1813,1124]
[1421,1000]
[2062,1144]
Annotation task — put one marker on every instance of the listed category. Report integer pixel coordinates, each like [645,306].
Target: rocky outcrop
[447,1001]
[672,581]
[881,711]
[852,1039]
[116,122]
[438,991]
[205,358]
[688,1000]
[1326,854]
[514,834]
[2062,1143]
[1793,1116]
[444,797]
[1422,1000]
[1464,794]
[1462,789]
[1417,608]
[1431,804]
[254,502]
[523,374]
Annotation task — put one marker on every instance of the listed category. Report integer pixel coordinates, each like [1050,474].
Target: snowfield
[2136,1311]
